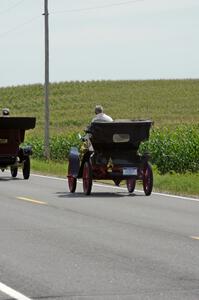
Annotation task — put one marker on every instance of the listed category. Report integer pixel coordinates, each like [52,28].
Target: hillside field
[167,102]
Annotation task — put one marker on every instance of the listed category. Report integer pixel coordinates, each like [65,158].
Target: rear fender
[74,161]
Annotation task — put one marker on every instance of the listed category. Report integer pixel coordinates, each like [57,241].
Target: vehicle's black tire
[130,184]
[117,181]
[26,168]
[14,171]
[72,181]
[87,178]
[147,179]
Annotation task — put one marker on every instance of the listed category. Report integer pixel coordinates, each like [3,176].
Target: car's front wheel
[87,178]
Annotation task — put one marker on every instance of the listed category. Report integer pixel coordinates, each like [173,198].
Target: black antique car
[111,152]
[12,155]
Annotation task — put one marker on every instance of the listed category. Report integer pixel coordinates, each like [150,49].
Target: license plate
[129,171]
[3,141]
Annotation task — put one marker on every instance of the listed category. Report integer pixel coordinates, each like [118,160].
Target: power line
[96,7]
[19,26]
[11,7]
[63,11]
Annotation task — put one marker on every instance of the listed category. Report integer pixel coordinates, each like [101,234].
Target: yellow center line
[32,200]
[195,237]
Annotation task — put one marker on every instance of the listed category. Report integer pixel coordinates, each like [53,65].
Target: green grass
[179,184]
[49,167]
[184,184]
[167,102]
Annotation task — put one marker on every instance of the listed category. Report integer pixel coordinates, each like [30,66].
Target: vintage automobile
[12,134]
[110,152]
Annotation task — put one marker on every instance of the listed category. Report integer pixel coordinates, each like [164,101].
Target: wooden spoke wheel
[147,179]
[87,178]
[130,184]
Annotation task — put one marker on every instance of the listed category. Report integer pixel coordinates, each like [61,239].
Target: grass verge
[179,184]
[49,167]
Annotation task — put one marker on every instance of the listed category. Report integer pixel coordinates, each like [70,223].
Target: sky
[99,40]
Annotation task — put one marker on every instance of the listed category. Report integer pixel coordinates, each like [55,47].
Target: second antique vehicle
[12,154]
[111,153]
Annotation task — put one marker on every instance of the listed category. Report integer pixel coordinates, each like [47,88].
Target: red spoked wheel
[147,179]
[87,178]
[130,184]
[72,181]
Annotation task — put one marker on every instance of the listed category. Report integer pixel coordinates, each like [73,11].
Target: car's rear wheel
[26,168]
[130,183]
[87,178]
[14,171]
[147,179]
[117,181]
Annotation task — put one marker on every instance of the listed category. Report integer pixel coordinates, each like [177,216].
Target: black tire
[87,178]
[26,168]
[130,184]
[117,181]
[147,179]
[14,171]
[72,181]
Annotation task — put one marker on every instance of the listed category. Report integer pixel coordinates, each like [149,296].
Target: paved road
[107,246]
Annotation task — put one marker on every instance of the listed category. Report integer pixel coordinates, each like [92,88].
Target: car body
[12,154]
[110,152]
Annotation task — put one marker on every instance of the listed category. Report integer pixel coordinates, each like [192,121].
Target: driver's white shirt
[102,117]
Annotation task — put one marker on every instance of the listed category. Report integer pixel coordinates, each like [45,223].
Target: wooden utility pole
[46,139]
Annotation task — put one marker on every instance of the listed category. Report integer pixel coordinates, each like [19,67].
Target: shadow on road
[3,179]
[95,195]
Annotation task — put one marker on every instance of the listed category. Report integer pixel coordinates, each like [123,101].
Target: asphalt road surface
[106,246]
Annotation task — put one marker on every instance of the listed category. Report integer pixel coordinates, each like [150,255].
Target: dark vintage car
[111,152]
[12,134]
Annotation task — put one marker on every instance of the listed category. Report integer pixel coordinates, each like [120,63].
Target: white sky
[99,39]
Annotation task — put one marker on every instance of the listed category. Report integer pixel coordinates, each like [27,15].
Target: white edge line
[121,188]
[12,293]
[194,237]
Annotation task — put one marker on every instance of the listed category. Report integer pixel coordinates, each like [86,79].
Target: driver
[100,116]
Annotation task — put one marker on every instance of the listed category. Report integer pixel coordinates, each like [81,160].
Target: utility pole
[46,125]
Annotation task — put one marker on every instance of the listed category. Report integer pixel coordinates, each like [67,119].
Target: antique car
[12,154]
[110,152]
